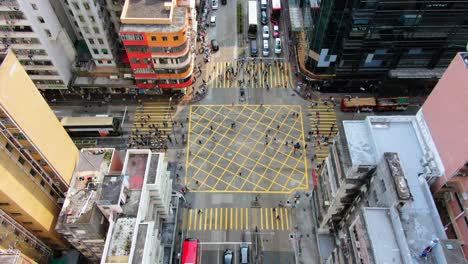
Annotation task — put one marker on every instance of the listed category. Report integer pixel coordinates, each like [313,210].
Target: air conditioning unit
[358,245]
[359,255]
[326,203]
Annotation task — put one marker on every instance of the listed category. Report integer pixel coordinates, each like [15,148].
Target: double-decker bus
[275,11]
[368,104]
[253,20]
[190,251]
[91,126]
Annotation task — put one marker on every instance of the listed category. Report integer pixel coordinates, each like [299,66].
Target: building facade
[93,23]
[36,171]
[157,39]
[35,33]
[385,39]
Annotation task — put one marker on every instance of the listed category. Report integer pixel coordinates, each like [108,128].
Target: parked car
[224,2]
[228,256]
[264,17]
[244,254]
[263,5]
[253,48]
[214,4]
[278,46]
[276,32]
[212,21]
[266,49]
[266,32]
[214,45]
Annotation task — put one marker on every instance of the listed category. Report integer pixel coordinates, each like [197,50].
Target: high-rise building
[35,33]
[385,39]
[37,157]
[93,23]
[114,211]
[157,37]
[445,113]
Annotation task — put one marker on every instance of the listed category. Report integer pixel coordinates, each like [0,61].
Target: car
[212,21]
[214,4]
[253,48]
[264,17]
[214,45]
[244,254]
[263,5]
[276,32]
[266,49]
[278,46]
[228,256]
[224,2]
[266,32]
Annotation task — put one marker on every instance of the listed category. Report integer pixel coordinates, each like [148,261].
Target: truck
[253,20]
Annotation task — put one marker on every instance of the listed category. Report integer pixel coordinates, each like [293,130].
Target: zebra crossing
[230,74]
[322,118]
[211,219]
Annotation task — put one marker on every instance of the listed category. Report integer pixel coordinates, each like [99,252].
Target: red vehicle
[190,251]
[275,11]
[349,104]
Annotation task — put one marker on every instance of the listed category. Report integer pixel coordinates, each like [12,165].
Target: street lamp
[172,121]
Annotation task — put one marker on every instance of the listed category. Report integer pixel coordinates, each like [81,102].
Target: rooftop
[147,9]
[111,186]
[85,188]
[176,24]
[379,134]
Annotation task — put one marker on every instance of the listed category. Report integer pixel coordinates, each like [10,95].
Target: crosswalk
[324,128]
[206,219]
[278,75]
[151,115]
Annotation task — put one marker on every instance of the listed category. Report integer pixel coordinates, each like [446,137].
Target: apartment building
[157,38]
[114,210]
[385,39]
[36,170]
[93,23]
[32,29]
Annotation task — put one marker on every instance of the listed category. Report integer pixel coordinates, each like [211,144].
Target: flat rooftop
[399,134]
[147,9]
[179,19]
[86,185]
[380,231]
[111,186]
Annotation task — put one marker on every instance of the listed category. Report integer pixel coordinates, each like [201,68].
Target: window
[86,29]
[86,5]
[164,38]
[27,223]
[32,172]
[382,185]
[153,38]
[8,147]
[91,41]
[96,30]
[176,38]
[81,18]
[135,60]
[48,33]
[4,204]
[37,231]
[101,41]
[109,62]
[92,19]
[163,61]
[99,61]
[376,197]
[143,71]
[95,51]
[41,20]
[21,160]
[42,182]
[75,5]
[34,6]
[16,214]
[105,51]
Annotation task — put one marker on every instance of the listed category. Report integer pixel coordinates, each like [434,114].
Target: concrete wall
[21,99]
[445,113]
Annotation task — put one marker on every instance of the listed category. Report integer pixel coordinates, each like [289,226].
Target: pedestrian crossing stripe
[206,219]
[278,75]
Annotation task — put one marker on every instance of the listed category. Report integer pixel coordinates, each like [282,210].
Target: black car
[264,18]
[223,2]
[214,45]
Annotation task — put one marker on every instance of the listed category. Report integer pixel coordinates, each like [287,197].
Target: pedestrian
[169,139]
[286,143]
[211,128]
[199,211]
[305,146]
[240,174]
[233,124]
[278,127]
[181,125]
[197,183]
[199,142]
[277,217]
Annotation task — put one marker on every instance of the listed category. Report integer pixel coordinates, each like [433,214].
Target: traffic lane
[225,31]
[214,253]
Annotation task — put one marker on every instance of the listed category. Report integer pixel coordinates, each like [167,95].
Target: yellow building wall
[21,99]
[24,196]
[170,38]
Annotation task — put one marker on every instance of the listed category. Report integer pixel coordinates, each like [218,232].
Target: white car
[278,46]
[266,32]
[214,4]
[266,49]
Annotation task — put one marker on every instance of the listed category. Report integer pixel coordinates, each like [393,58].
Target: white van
[266,49]
[278,46]
[263,5]
[214,4]
[212,21]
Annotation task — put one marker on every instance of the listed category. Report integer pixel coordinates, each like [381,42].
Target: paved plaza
[246,148]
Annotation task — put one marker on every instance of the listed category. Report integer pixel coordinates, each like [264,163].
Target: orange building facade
[156,36]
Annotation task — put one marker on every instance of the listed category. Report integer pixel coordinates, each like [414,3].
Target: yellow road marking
[211,216]
[287,218]
[195,220]
[201,220]
[231,220]
[241,218]
[261,218]
[272,218]
[282,219]
[266,218]
[226,219]
[236,218]
[190,220]
[216,219]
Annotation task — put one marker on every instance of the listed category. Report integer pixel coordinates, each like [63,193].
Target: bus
[392,104]
[190,251]
[275,11]
[91,126]
[253,20]
[350,104]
